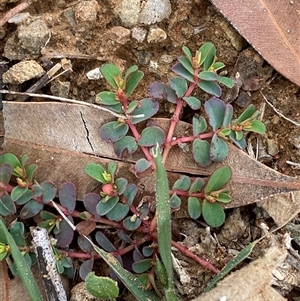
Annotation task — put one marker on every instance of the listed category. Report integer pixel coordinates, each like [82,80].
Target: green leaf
[130,193]
[218,149]
[194,207]
[218,179]
[161,272]
[151,136]
[24,160]
[223,197]
[12,160]
[227,115]
[101,287]
[131,223]
[125,146]
[226,81]
[182,184]
[96,171]
[193,102]
[130,70]
[186,63]
[110,73]
[132,82]
[199,125]
[175,201]
[17,232]
[215,109]
[107,98]
[118,213]
[22,266]
[242,255]
[49,191]
[132,106]
[197,185]
[179,85]
[210,87]
[187,52]
[182,71]
[201,150]
[249,111]
[26,197]
[17,192]
[208,53]
[113,131]
[104,206]
[257,127]
[240,143]
[148,107]
[111,169]
[218,65]
[30,169]
[208,75]
[213,214]
[121,183]
[31,209]
[7,205]
[142,266]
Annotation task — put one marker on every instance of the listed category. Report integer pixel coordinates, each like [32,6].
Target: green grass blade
[231,265]
[163,212]
[23,268]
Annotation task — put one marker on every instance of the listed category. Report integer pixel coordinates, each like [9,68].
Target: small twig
[280,114]
[13,12]
[98,107]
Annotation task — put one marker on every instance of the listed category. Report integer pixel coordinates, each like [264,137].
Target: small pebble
[155,11]
[128,12]
[272,147]
[119,34]
[243,100]
[94,74]
[139,33]
[60,89]
[156,35]
[86,11]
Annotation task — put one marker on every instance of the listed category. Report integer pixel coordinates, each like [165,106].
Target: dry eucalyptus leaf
[271,27]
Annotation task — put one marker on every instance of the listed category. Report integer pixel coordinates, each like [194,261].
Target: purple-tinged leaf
[86,267]
[132,81]
[182,184]
[67,196]
[31,209]
[137,255]
[142,165]
[151,136]
[199,125]
[125,237]
[84,244]
[193,102]
[144,210]
[182,71]
[5,173]
[130,193]
[118,213]
[228,115]
[178,84]
[113,131]
[7,206]
[131,223]
[104,206]
[66,233]
[125,146]
[121,183]
[213,214]
[215,110]
[107,98]
[147,251]
[104,242]
[208,75]
[194,207]
[239,143]
[226,81]
[210,87]
[201,149]
[160,90]
[12,160]
[111,73]
[218,149]
[148,107]
[49,191]
[37,189]
[142,265]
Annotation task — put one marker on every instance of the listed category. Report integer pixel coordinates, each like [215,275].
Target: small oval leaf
[151,136]
[218,179]
[201,152]
[213,214]
[194,207]
[113,131]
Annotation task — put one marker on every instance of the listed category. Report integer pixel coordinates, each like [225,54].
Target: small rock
[60,89]
[156,35]
[128,12]
[166,59]
[236,40]
[69,14]
[155,11]
[119,34]
[243,100]
[139,33]
[18,18]
[34,36]
[94,74]
[86,11]
[80,293]
[272,147]
[23,71]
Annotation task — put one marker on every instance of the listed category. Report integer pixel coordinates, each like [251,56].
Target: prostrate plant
[115,206]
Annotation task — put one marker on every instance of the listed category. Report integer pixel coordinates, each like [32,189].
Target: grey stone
[69,14]
[23,71]
[34,36]
[60,89]
[128,12]
[155,11]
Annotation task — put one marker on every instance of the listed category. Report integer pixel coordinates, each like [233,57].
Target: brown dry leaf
[85,227]
[63,138]
[271,27]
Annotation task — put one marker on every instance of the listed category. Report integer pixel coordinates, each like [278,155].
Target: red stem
[192,138]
